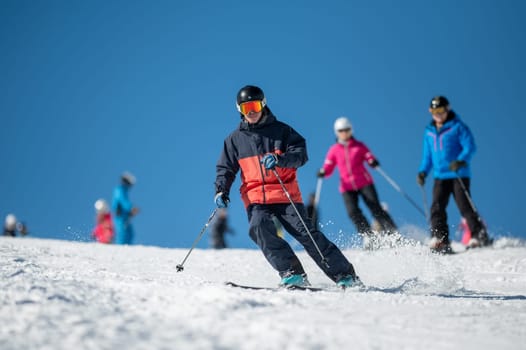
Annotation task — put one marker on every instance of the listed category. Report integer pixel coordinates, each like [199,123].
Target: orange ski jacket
[243,150]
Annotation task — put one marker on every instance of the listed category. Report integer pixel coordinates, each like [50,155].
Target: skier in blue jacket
[448,148]
[123,210]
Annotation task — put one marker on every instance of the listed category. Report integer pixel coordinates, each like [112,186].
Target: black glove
[421,178]
[374,163]
[457,164]
[221,199]
[320,173]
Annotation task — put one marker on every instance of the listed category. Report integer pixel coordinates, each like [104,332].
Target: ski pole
[180,267]
[323,259]
[468,196]
[466,193]
[396,187]
[318,193]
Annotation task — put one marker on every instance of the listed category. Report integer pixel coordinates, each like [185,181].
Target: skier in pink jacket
[349,155]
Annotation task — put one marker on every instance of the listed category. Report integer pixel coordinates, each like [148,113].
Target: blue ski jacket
[454,141]
[121,204]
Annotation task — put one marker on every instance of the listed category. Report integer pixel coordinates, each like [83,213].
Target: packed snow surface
[72,295]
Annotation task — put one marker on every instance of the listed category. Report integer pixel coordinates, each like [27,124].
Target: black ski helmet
[250,93]
[439,101]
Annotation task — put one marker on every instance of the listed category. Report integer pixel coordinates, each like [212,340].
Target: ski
[275,289]
[449,252]
[465,250]
[358,288]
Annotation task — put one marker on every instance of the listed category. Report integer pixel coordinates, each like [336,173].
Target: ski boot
[349,281]
[481,240]
[294,280]
[440,246]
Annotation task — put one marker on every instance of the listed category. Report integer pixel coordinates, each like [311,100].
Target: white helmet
[129,178]
[341,123]
[10,221]
[101,206]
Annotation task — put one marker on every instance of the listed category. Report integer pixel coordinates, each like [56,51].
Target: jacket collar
[346,143]
[452,118]
[266,119]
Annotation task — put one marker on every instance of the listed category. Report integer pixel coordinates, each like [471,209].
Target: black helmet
[439,101]
[250,93]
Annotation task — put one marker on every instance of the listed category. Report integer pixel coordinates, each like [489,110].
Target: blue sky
[90,89]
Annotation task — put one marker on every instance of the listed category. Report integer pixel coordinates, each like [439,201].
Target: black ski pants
[278,252]
[370,197]
[442,189]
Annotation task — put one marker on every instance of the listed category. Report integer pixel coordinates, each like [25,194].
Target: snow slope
[70,295]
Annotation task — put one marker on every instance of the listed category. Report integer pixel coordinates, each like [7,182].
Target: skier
[260,148]
[448,148]
[21,227]
[10,225]
[124,210]
[349,155]
[103,231]
[219,229]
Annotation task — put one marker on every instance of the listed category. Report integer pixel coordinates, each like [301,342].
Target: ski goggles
[251,106]
[438,110]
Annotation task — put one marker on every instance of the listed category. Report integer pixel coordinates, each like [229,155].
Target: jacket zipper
[346,149]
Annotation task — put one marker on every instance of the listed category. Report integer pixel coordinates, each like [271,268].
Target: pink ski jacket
[349,157]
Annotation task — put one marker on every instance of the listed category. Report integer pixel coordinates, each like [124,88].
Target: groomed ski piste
[74,295]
